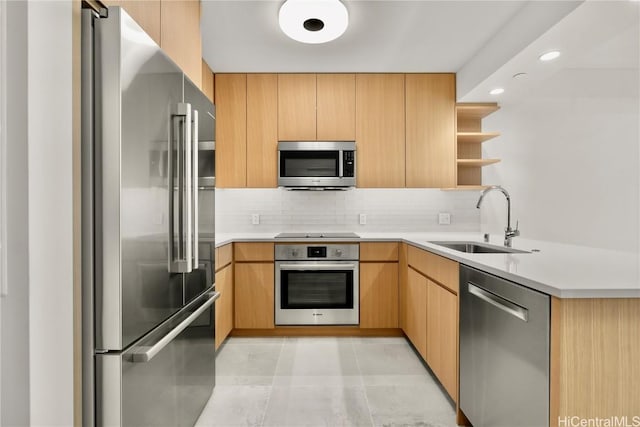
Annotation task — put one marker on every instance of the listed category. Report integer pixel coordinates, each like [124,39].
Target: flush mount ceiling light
[549,56]
[313,21]
[496,91]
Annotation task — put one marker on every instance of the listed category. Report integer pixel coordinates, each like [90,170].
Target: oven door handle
[322,266]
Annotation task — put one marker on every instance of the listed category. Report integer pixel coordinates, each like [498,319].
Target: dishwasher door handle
[499,302]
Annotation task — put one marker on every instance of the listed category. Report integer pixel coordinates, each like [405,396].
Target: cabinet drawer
[387,251]
[223,256]
[253,252]
[440,269]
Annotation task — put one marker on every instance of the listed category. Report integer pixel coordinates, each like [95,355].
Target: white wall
[570,158]
[386,210]
[50,212]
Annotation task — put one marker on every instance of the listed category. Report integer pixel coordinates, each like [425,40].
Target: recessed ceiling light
[496,91]
[549,56]
[313,21]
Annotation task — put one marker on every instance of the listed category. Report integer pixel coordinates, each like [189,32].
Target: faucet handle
[516,232]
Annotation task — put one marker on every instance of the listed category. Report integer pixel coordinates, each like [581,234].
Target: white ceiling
[383,36]
[599,45]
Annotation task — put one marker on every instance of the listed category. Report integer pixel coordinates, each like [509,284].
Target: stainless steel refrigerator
[148,277]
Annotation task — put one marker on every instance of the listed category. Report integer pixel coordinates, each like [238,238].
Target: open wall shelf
[469,140]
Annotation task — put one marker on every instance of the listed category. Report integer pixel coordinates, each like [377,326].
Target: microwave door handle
[194,184]
[340,164]
[179,134]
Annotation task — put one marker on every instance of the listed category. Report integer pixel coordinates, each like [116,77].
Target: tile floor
[324,382]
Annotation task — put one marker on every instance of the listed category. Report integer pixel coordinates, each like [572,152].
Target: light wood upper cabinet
[431,132]
[378,295]
[296,107]
[224,304]
[380,130]
[145,12]
[254,300]
[231,130]
[180,36]
[416,311]
[262,130]
[207,81]
[336,107]
[442,336]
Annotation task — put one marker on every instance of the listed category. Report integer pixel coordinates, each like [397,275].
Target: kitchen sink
[478,248]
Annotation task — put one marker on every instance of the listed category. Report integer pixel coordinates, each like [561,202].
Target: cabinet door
[224,304]
[145,12]
[296,107]
[442,336]
[254,295]
[430,124]
[416,328]
[336,107]
[379,295]
[262,130]
[180,36]
[231,130]
[380,130]
[207,81]
[402,285]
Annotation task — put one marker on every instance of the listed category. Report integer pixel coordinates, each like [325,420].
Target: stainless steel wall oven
[317,284]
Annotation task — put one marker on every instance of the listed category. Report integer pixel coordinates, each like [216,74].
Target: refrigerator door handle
[194,148]
[179,170]
[145,354]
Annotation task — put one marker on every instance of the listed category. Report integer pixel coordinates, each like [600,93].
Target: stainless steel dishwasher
[504,352]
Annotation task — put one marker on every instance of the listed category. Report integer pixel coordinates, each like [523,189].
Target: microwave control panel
[348,168]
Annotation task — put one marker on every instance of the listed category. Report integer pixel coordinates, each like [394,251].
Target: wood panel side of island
[595,359]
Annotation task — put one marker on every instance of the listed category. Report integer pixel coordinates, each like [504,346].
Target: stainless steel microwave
[317,165]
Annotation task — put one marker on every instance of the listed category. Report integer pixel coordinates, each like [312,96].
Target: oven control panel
[319,252]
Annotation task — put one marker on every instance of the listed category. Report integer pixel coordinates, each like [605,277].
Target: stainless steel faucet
[509,233]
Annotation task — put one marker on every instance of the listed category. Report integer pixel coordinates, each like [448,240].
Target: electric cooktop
[343,235]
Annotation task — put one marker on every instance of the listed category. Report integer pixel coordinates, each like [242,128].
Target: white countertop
[565,271]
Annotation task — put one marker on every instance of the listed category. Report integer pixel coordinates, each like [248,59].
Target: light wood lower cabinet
[416,311]
[224,304]
[594,369]
[379,295]
[442,336]
[429,311]
[254,295]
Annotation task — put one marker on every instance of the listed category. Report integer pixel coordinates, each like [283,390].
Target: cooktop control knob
[338,252]
[294,252]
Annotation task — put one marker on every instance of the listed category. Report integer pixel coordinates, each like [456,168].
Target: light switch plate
[444,218]
[255,219]
[363,219]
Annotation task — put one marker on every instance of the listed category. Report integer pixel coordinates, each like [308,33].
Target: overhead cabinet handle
[499,302]
[145,354]
[179,189]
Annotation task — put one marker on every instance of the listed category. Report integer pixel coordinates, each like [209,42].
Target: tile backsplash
[385,210]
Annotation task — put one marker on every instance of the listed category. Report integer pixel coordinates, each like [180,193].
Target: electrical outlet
[444,218]
[363,219]
[255,219]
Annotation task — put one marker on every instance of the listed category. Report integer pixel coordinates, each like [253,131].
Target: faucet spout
[509,233]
